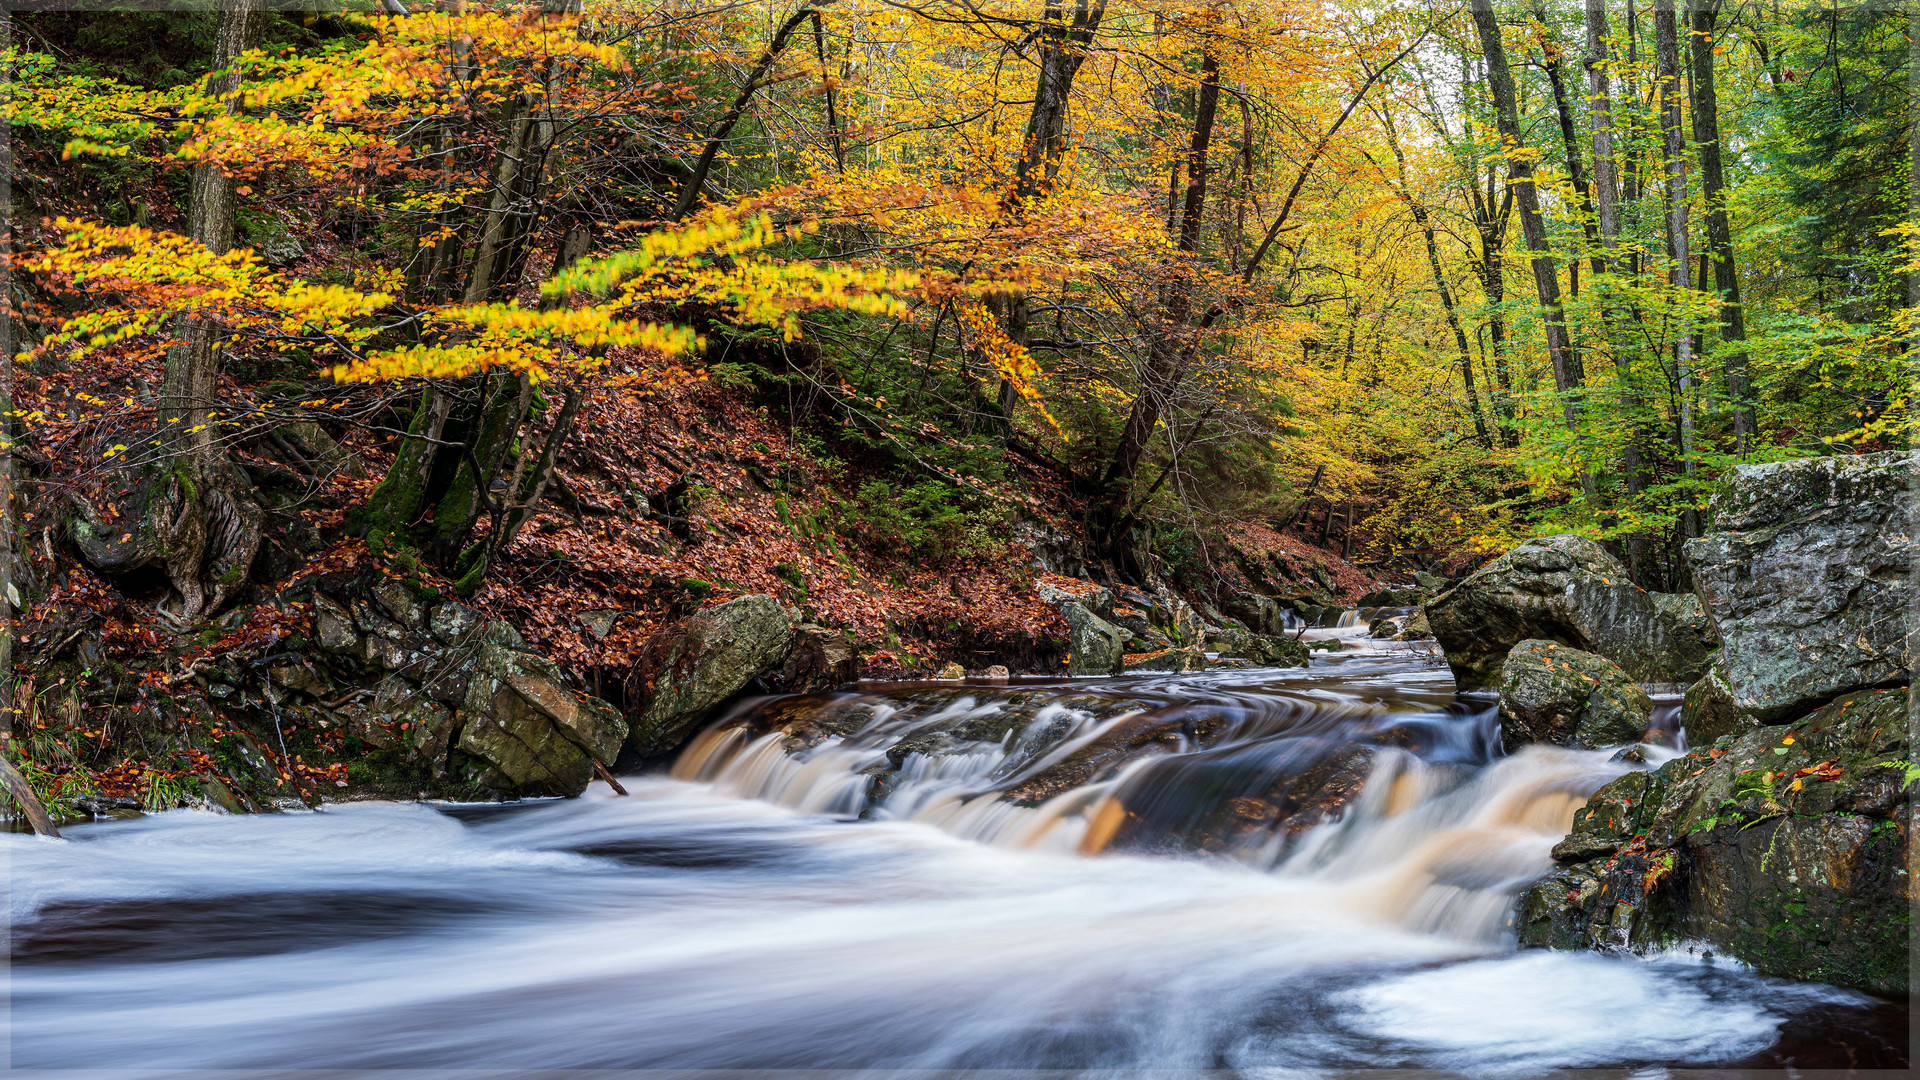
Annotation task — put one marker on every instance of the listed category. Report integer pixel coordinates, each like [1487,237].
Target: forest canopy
[1454,274]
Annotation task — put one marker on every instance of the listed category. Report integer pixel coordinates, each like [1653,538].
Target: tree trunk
[1552,53]
[1568,379]
[1726,281]
[1062,51]
[696,180]
[1425,220]
[206,524]
[1673,153]
[1171,340]
[1605,188]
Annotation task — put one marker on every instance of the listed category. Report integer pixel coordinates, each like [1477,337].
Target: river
[851,908]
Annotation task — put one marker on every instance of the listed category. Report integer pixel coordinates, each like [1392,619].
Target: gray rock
[1806,577]
[1261,614]
[712,657]
[534,736]
[333,626]
[1565,697]
[1568,590]
[1054,551]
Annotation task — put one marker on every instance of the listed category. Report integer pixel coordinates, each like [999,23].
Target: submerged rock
[1783,847]
[713,656]
[1568,590]
[1807,578]
[1566,697]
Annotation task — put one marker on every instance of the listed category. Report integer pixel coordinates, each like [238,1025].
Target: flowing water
[1251,871]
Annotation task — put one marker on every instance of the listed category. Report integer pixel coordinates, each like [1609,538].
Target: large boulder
[1095,646]
[1783,847]
[1806,575]
[1552,694]
[1565,589]
[529,734]
[708,659]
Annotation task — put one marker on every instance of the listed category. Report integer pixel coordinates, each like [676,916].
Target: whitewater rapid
[701,924]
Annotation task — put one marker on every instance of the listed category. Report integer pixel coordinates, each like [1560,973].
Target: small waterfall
[1393,806]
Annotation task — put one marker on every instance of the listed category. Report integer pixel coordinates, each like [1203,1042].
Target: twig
[601,771]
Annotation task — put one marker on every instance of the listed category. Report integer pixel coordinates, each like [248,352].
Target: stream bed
[883,900]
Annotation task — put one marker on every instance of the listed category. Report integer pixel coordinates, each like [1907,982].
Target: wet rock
[1125,741]
[711,657]
[1568,590]
[819,658]
[1416,628]
[1565,697]
[951,672]
[1806,577]
[996,672]
[1783,847]
[1389,596]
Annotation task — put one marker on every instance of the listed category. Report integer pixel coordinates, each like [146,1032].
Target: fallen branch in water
[601,771]
[28,802]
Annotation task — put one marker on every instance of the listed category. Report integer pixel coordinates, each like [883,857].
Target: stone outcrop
[1565,697]
[1783,847]
[1565,589]
[1806,577]
[705,661]
[458,697]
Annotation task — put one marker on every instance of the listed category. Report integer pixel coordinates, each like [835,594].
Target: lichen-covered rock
[1568,590]
[1565,697]
[1783,847]
[1806,577]
[712,657]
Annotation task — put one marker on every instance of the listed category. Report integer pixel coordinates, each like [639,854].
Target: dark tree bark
[1726,280]
[1568,379]
[696,180]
